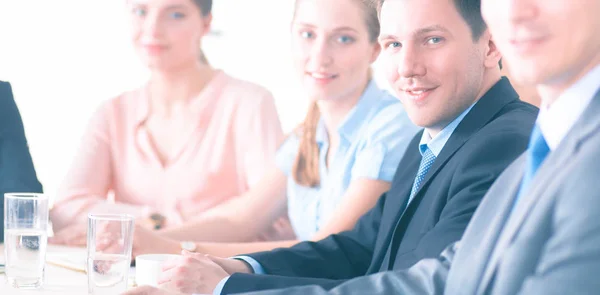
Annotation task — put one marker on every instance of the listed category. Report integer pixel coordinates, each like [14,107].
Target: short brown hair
[470,10]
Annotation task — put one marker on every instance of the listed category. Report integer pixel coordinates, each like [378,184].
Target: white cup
[149,266]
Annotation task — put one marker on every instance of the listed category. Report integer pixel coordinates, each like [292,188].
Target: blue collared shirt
[437,143]
[373,138]
[556,120]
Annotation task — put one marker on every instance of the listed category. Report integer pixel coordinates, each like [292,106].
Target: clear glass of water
[109,242]
[25,239]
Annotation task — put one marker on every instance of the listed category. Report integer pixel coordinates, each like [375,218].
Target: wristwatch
[158,220]
[188,246]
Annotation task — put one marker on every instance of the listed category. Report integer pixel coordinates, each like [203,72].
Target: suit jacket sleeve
[334,259]
[428,276]
[17,173]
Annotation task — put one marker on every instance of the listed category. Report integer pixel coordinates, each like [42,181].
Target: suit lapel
[482,112]
[585,127]
[481,236]
[398,196]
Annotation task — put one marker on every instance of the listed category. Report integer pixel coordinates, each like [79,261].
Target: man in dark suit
[444,68]
[537,229]
[16,167]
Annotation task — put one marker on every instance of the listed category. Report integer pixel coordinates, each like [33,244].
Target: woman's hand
[145,241]
[72,235]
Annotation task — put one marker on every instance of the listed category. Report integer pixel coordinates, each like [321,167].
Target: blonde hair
[305,170]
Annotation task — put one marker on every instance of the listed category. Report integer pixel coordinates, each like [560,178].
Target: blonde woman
[336,165]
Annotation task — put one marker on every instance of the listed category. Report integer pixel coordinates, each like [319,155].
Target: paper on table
[77,262]
[73,261]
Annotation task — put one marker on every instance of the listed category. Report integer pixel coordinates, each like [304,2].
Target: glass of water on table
[109,242]
[25,239]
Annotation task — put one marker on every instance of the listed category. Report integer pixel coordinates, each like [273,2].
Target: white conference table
[58,280]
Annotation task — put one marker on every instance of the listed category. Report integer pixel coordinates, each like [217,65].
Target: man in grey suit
[537,231]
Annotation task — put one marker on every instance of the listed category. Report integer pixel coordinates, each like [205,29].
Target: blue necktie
[537,151]
[426,163]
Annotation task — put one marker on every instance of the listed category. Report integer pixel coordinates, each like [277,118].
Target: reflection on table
[67,279]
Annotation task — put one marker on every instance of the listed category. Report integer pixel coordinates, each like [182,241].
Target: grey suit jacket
[550,244]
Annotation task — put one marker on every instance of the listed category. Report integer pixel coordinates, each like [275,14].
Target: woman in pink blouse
[335,166]
[189,140]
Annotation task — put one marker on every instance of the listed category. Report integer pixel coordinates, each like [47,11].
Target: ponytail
[306,167]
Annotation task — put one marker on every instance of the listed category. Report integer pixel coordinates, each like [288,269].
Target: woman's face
[167,33]
[332,48]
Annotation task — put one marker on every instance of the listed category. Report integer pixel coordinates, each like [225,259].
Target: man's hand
[147,290]
[192,273]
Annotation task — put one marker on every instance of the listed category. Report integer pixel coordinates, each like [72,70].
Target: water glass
[109,242]
[25,239]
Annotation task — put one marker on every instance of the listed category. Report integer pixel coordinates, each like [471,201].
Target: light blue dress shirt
[437,143]
[373,138]
[556,120]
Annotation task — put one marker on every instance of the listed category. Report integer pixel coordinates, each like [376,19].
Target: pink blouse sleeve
[89,178]
[259,137]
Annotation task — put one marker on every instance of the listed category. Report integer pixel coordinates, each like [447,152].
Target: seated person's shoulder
[123,103]
[118,110]
[389,114]
[4,85]
[243,91]
[520,108]
[8,109]
[5,91]
[505,136]
[517,117]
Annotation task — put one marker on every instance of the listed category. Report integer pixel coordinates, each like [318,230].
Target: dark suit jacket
[16,167]
[488,139]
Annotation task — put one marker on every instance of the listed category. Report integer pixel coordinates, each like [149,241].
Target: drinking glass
[109,242]
[25,239]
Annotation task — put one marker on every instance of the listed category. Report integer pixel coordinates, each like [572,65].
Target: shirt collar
[556,120]
[349,128]
[437,143]
[321,133]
